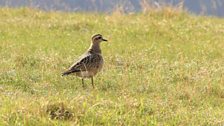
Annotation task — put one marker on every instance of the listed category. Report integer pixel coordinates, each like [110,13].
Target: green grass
[161,68]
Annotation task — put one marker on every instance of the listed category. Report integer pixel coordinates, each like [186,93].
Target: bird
[90,63]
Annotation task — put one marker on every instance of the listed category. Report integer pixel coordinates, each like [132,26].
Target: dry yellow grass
[161,68]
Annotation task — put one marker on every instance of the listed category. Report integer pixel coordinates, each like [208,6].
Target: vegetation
[161,68]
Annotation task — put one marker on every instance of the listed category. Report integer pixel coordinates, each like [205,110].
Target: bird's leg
[83,85]
[92,82]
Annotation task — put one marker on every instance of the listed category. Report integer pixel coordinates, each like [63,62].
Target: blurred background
[198,7]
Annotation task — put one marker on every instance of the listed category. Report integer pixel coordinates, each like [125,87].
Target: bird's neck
[95,48]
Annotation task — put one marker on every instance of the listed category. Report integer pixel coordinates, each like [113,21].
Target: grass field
[161,68]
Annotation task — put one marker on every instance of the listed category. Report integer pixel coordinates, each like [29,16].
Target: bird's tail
[66,73]
[69,72]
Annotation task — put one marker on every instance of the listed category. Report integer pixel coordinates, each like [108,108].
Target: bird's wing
[84,64]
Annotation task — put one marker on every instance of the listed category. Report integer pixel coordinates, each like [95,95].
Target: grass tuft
[59,111]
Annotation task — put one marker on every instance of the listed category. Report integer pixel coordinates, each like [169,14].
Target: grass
[161,68]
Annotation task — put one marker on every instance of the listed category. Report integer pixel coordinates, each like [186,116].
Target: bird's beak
[104,39]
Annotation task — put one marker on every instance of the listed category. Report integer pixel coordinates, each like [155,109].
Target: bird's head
[98,38]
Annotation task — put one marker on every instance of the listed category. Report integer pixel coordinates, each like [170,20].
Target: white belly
[86,74]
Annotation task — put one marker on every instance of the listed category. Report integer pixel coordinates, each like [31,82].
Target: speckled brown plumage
[90,63]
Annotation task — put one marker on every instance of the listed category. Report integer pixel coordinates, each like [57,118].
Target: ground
[161,68]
